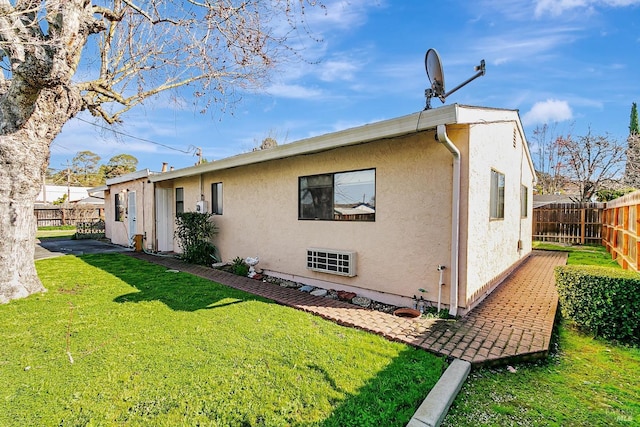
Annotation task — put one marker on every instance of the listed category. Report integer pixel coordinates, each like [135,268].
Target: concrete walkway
[513,323]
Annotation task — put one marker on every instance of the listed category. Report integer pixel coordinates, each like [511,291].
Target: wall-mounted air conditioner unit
[202,206]
[332,261]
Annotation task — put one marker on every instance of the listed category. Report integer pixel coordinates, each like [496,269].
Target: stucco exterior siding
[396,254]
[118,231]
[493,244]
[399,252]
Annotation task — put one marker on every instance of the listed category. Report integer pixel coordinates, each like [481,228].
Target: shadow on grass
[179,291]
[393,395]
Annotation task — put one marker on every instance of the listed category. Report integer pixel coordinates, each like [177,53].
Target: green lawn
[51,232]
[117,341]
[586,382]
[581,254]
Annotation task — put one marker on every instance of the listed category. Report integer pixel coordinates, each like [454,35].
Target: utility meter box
[201,206]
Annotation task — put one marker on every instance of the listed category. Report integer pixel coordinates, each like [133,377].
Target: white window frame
[496,202]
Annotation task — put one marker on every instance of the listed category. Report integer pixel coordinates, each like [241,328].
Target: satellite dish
[435,73]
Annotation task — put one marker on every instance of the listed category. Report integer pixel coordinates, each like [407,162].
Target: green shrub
[603,301]
[239,267]
[193,231]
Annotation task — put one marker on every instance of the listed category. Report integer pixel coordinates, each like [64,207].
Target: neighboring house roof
[358,210]
[421,121]
[55,192]
[548,199]
[91,201]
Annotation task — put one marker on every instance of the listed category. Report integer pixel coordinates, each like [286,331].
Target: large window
[524,201]
[343,196]
[179,200]
[119,207]
[497,195]
[216,198]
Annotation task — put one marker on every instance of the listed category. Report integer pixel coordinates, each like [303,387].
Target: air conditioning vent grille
[332,261]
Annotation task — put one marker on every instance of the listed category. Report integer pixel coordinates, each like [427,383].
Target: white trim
[380,130]
[128,177]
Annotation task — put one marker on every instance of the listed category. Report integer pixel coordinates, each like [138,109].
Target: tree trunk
[20,170]
[24,157]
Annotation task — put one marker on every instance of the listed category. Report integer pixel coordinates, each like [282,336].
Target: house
[438,201]
[51,193]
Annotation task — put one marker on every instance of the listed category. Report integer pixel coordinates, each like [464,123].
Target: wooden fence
[621,226]
[569,223]
[67,215]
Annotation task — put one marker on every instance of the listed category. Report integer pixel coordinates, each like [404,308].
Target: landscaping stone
[361,301]
[345,295]
[319,292]
[332,294]
[306,288]
[289,284]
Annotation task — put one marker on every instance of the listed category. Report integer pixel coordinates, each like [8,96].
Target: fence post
[583,212]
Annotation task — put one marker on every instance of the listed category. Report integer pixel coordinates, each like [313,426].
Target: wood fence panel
[621,226]
[57,215]
[569,223]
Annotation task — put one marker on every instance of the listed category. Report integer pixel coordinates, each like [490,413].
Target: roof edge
[143,173]
[411,123]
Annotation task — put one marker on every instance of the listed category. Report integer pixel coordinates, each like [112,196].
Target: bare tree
[549,166]
[591,160]
[132,50]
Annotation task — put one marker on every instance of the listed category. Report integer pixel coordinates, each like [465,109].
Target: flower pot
[407,312]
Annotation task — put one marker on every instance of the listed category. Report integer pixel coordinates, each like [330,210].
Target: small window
[524,201]
[179,200]
[216,198]
[497,195]
[119,207]
[343,196]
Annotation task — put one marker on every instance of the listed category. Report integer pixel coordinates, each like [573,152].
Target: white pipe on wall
[443,138]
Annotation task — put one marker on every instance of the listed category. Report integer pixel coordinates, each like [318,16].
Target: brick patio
[513,323]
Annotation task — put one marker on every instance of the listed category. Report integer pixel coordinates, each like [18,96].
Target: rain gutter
[442,137]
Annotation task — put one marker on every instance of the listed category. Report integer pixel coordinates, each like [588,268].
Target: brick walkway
[513,323]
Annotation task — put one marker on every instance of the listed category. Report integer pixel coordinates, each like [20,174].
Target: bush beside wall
[603,301]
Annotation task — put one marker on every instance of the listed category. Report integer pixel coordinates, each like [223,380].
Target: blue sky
[571,62]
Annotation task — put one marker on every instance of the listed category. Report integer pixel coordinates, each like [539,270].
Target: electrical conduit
[443,138]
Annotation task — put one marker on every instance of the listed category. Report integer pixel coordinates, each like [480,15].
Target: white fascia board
[97,189]
[412,123]
[144,173]
[471,115]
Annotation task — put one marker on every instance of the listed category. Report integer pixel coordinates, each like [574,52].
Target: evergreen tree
[632,167]
[634,129]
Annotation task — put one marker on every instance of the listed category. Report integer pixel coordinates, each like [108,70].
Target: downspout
[442,137]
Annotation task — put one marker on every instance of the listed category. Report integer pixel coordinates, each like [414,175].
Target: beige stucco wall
[399,252]
[396,255]
[492,245]
[118,231]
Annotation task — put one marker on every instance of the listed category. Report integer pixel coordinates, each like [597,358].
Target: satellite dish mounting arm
[433,66]
[481,71]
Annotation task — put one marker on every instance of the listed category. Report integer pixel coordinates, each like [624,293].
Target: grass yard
[51,232]
[581,254]
[587,381]
[118,341]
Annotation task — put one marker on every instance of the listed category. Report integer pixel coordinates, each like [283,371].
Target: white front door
[131,212]
[164,219]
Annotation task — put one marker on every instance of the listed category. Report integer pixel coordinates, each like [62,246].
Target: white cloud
[558,7]
[293,91]
[337,70]
[551,110]
[511,47]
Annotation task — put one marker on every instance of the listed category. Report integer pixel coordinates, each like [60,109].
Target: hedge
[603,301]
